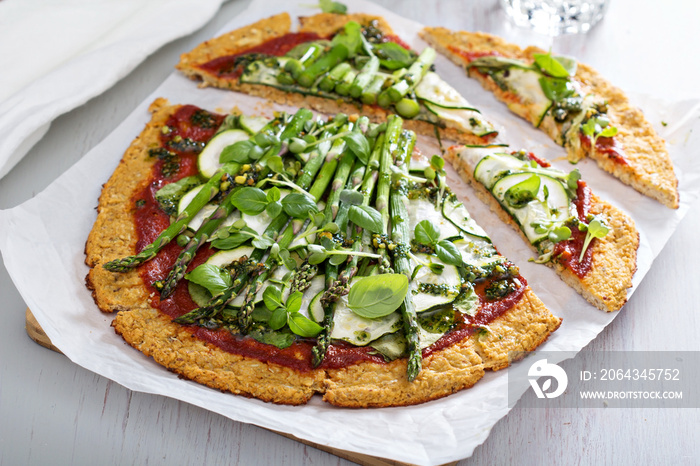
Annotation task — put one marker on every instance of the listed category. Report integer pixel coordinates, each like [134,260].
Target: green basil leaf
[250,200]
[556,89]
[273,194]
[238,152]
[294,302]
[262,242]
[377,295]
[357,143]
[272,297]
[608,132]
[273,209]
[329,6]
[211,277]
[317,257]
[448,253]
[550,65]
[337,259]
[427,233]
[303,326]
[234,240]
[366,217]
[298,205]
[351,197]
[392,55]
[278,319]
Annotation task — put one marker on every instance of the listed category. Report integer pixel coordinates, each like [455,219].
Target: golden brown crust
[649,169]
[614,256]
[368,384]
[323,24]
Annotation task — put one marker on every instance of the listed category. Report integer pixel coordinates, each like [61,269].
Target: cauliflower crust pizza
[571,102]
[287,257]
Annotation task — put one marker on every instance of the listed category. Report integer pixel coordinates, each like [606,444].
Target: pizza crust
[323,24]
[367,384]
[649,169]
[614,256]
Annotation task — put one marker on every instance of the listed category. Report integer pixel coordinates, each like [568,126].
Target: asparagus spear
[334,76]
[365,76]
[343,86]
[401,238]
[371,91]
[296,66]
[337,284]
[335,55]
[210,189]
[203,233]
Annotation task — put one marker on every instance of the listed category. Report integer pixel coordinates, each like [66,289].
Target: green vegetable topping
[377,296]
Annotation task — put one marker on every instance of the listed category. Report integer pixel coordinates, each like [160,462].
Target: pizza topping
[548,87]
[313,232]
[359,63]
[549,206]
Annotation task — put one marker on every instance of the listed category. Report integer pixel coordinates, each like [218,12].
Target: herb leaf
[377,295]
[272,297]
[357,143]
[250,200]
[211,277]
[427,233]
[448,253]
[557,67]
[366,217]
[597,228]
[298,205]
[303,326]
[237,152]
[329,6]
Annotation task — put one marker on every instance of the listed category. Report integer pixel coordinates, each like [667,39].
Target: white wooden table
[54,412]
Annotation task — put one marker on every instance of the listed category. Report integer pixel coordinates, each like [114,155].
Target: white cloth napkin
[55,56]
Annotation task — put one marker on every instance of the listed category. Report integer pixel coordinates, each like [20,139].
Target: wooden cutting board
[37,334]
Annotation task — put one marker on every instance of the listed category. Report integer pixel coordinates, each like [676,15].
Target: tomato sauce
[568,252]
[228,66]
[609,146]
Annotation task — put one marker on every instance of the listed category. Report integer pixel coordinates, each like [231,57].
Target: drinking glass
[555,17]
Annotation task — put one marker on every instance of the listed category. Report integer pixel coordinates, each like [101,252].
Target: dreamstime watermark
[610,379]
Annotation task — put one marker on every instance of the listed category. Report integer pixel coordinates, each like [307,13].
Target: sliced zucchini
[478,253]
[204,213]
[208,160]
[444,101]
[311,304]
[360,331]
[494,165]
[430,290]
[252,124]
[224,258]
[526,84]
[391,346]
[459,216]
[552,205]
[421,209]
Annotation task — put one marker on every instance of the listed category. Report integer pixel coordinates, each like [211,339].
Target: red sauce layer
[227,67]
[471,55]
[609,146]
[150,221]
[568,252]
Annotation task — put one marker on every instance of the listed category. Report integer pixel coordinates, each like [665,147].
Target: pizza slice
[286,257]
[572,103]
[338,63]
[590,243]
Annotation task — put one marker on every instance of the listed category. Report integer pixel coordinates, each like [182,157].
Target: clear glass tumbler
[555,17]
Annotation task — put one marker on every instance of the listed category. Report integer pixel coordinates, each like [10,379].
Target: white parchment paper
[42,243]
